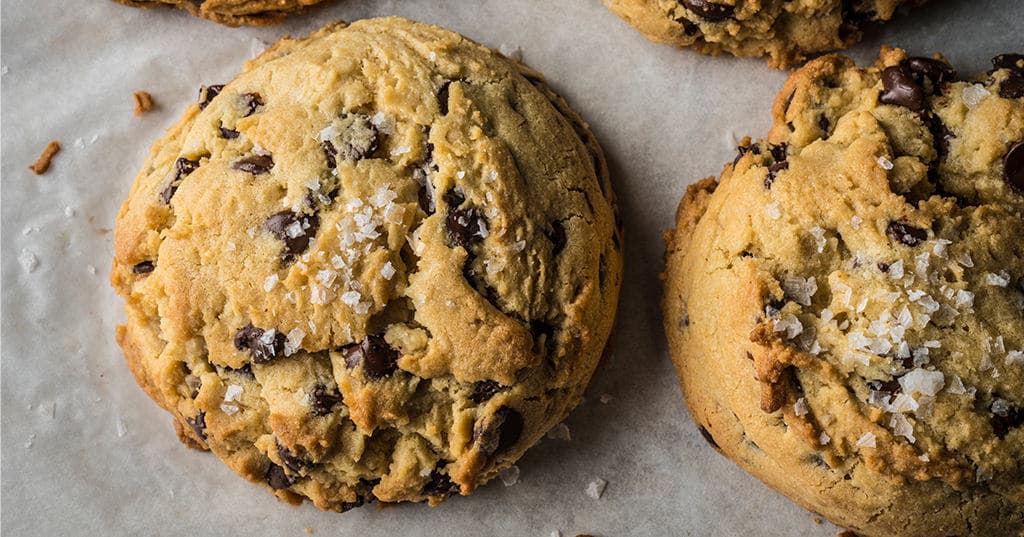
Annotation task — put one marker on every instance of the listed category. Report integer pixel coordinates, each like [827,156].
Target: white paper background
[86,453]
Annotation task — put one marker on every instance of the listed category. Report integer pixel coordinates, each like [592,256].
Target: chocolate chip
[773,172]
[263,345]
[198,424]
[824,124]
[144,267]
[442,97]
[291,461]
[556,236]
[483,390]
[323,400]
[254,164]
[374,354]
[906,234]
[709,11]
[936,71]
[707,436]
[1013,62]
[228,134]
[941,135]
[182,167]
[900,89]
[295,229]
[277,478]
[207,93]
[466,226]
[884,267]
[743,150]
[439,483]
[891,387]
[1012,87]
[357,137]
[1013,167]
[500,432]
[1005,417]
[245,370]
[250,102]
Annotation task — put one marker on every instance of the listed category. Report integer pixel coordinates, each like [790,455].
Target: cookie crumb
[847,533]
[308,530]
[510,476]
[143,102]
[28,261]
[43,163]
[560,432]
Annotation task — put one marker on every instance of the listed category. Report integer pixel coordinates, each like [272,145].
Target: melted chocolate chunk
[1005,417]
[483,390]
[144,267]
[245,370]
[743,150]
[773,172]
[356,139]
[937,72]
[374,354]
[277,478]
[207,93]
[323,400]
[557,237]
[891,387]
[824,124]
[291,461]
[255,164]
[1012,87]
[250,102]
[465,225]
[198,424]
[500,432]
[906,234]
[1013,167]
[263,345]
[295,229]
[182,167]
[900,89]
[228,134]
[1013,62]
[707,436]
[709,11]
[439,483]
[442,97]
[941,135]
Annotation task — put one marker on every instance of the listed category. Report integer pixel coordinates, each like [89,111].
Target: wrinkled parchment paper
[86,453]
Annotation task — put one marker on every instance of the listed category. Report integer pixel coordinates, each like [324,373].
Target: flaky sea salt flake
[867,440]
[596,488]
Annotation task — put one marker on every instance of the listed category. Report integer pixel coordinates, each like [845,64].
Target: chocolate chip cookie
[845,307]
[784,31]
[377,265]
[232,12]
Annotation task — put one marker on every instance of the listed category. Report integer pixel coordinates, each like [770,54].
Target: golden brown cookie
[377,265]
[845,307]
[784,31]
[232,12]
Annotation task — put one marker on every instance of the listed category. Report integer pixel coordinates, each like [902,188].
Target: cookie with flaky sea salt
[845,307]
[784,31]
[377,265]
[232,12]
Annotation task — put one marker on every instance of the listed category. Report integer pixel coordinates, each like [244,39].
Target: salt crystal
[850,358]
[800,407]
[826,315]
[605,398]
[964,299]
[510,475]
[1015,358]
[885,163]
[387,271]
[320,295]
[560,432]
[824,439]
[940,247]
[896,270]
[294,341]
[924,457]
[290,297]
[902,427]
[393,213]
[351,297]
[28,261]
[922,381]
[855,222]
[973,94]
[956,386]
[270,282]
[460,174]
[1000,407]
[121,429]
[596,488]
[326,277]
[999,280]
[230,410]
[69,212]
[965,259]
[799,289]
[91,269]
[819,238]
[229,247]
[294,230]
[868,440]
[772,210]
[378,119]
[789,324]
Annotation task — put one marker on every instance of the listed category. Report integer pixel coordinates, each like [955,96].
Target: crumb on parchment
[143,102]
[43,163]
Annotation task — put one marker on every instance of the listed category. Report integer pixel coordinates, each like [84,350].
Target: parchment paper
[85,452]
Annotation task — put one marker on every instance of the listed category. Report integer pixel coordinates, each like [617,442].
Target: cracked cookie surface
[232,12]
[845,307]
[377,265]
[784,31]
